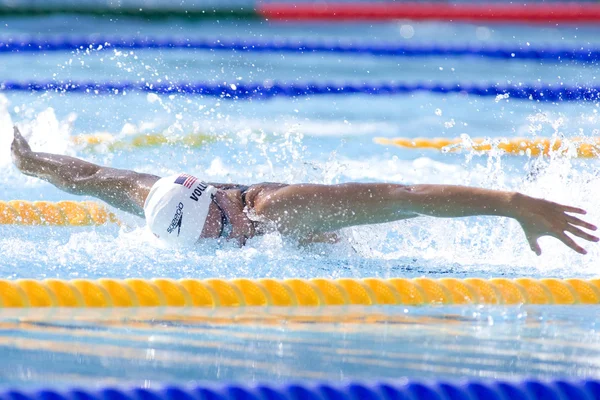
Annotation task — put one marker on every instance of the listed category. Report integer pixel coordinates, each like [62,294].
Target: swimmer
[182,209]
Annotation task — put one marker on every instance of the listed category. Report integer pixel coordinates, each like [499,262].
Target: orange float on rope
[580,147]
[62,213]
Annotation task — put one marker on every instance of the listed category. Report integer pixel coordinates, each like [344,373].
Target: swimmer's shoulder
[245,188]
[229,186]
[259,189]
[250,192]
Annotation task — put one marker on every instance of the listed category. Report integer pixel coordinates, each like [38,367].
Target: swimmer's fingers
[578,222]
[534,245]
[241,241]
[580,233]
[571,243]
[574,210]
[238,238]
[242,232]
[19,144]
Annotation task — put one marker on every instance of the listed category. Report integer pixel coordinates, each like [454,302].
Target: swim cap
[176,209]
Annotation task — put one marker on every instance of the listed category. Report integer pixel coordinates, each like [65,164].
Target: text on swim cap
[177,218]
[197,193]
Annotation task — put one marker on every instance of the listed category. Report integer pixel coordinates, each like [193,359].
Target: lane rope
[528,389]
[269,89]
[578,147]
[109,142]
[61,213]
[64,43]
[531,12]
[294,292]
[536,12]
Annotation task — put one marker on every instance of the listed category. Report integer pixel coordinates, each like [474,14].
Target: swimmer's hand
[540,217]
[231,203]
[20,150]
[243,229]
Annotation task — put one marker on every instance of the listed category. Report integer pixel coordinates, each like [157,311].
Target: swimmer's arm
[538,217]
[449,201]
[231,203]
[123,189]
[327,208]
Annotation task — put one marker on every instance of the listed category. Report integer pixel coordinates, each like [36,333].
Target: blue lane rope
[274,89]
[11,45]
[414,390]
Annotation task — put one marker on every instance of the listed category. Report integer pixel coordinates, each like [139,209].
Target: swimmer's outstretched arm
[302,210]
[123,189]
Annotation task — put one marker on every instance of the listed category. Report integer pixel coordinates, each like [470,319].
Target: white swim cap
[176,209]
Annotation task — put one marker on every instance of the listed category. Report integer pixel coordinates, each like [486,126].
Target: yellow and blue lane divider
[530,389]
[294,292]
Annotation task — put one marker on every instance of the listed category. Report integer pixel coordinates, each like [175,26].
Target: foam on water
[5,138]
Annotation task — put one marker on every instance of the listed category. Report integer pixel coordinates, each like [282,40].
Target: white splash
[6,133]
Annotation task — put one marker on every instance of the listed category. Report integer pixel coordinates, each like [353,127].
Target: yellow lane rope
[583,147]
[111,143]
[294,292]
[62,213]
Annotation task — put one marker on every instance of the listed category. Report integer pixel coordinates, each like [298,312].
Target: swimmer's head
[177,207]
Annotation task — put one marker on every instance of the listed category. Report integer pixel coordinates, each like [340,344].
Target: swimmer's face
[214,224]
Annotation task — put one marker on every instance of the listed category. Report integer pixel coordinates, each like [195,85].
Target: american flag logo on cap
[186,180]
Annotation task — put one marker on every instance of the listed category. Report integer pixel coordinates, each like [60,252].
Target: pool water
[146,348]
[320,139]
